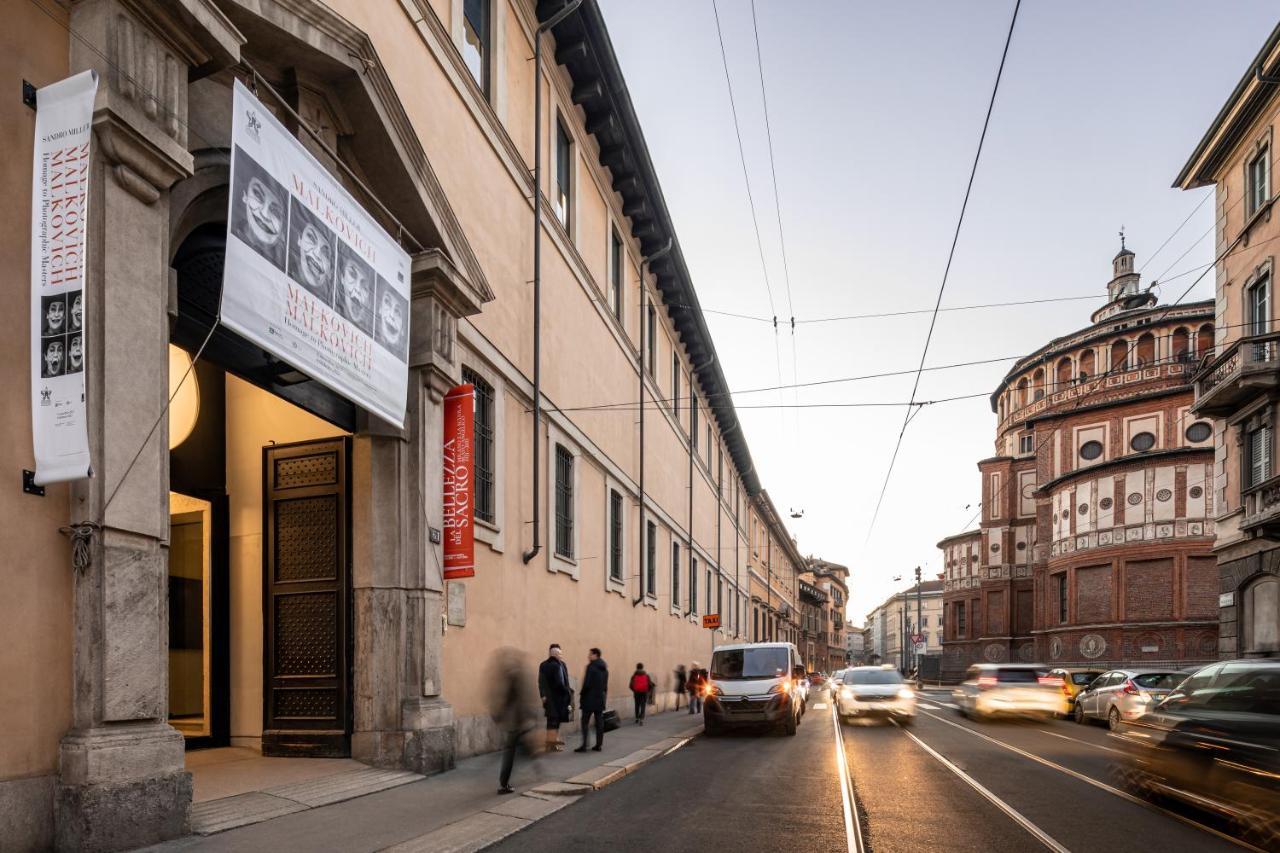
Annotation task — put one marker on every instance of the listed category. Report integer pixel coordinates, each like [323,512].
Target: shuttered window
[483,460]
[564,501]
[615,535]
[1259,455]
[675,574]
[693,584]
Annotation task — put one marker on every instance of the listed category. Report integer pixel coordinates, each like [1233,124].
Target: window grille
[564,501]
[615,535]
[483,459]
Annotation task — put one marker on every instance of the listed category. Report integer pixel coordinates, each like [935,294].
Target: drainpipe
[693,401]
[537,268]
[640,356]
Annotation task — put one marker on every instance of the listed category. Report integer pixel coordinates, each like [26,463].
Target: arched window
[1204,340]
[1086,364]
[1064,372]
[1120,356]
[1022,392]
[1180,344]
[1260,607]
[1037,380]
[1146,349]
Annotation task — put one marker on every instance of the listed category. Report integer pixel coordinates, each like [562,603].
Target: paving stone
[343,786]
[475,832]
[531,808]
[562,789]
[598,777]
[241,810]
[634,760]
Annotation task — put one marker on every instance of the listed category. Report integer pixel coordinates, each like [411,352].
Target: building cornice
[1125,463]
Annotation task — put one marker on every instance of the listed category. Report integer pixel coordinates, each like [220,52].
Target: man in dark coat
[591,699]
[557,697]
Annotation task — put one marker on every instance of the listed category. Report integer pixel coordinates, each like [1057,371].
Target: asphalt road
[946,783]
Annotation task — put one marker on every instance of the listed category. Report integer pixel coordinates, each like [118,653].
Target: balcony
[1262,508]
[1248,367]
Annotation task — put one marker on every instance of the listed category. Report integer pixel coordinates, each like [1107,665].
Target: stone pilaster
[401,717]
[121,781]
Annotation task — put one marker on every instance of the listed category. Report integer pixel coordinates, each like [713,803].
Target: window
[564,502]
[693,584]
[483,460]
[1260,604]
[675,574]
[1258,180]
[1061,581]
[615,534]
[476,40]
[1142,442]
[960,626]
[1258,300]
[708,599]
[564,174]
[1259,460]
[693,418]
[615,275]
[1199,431]
[651,342]
[675,383]
[1026,443]
[651,559]
[1091,450]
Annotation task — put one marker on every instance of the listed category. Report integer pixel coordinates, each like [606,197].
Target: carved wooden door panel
[307,599]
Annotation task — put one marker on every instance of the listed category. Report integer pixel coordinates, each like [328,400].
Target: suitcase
[610,721]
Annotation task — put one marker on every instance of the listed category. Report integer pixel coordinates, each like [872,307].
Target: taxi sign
[711,620]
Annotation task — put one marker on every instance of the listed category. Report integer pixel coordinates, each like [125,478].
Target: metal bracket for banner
[28,94]
[29,486]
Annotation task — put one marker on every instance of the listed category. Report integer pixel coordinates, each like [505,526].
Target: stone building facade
[1097,519]
[177,635]
[898,618]
[1239,387]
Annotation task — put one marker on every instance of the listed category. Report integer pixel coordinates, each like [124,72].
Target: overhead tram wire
[751,203]
[1167,240]
[955,239]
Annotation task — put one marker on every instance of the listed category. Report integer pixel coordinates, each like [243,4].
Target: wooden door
[307,599]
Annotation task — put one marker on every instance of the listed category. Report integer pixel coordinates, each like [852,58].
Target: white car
[1008,689]
[874,691]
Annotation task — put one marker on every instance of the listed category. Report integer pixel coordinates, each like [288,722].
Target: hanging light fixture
[185,408]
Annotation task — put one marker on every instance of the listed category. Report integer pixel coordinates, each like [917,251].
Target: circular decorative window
[1164,495]
[1091,450]
[1135,499]
[1022,546]
[1199,431]
[1083,509]
[1105,503]
[1143,441]
[1195,492]
[1027,490]
[1066,513]
[995,547]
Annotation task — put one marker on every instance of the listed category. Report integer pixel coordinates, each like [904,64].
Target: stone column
[401,719]
[121,780]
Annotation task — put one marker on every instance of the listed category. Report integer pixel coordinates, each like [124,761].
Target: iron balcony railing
[1247,367]
[1262,507]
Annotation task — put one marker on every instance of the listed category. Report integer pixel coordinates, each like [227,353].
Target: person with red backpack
[641,684]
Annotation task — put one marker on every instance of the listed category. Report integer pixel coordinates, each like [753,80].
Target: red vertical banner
[459,484]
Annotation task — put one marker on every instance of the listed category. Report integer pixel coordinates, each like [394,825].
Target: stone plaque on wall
[456,592]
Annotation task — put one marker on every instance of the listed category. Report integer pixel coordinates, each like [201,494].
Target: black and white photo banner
[59,216]
[310,276]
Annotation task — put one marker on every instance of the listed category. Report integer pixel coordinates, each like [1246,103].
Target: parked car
[1009,689]
[1213,743]
[817,679]
[871,691]
[1124,694]
[1074,680]
[754,684]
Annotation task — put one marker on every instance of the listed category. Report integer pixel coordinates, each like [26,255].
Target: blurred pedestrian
[512,708]
[641,685]
[681,678]
[557,696]
[591,698]
[696,683]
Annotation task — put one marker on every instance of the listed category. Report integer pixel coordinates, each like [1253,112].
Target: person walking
[511,706]
[697,681]
[681,678]
[641,685]
[591,698]
[557,697]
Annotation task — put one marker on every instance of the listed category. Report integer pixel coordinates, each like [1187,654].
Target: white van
[752,684]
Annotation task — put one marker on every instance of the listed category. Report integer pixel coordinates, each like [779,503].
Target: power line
[1181,225]
[915,404]
[955,239]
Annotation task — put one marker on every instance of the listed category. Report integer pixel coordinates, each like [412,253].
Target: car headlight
[780,687]
[906,693]
[712,690]
[846,692]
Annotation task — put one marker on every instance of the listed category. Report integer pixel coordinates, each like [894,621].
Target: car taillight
[1129,689]
[986,681]
[1053,681]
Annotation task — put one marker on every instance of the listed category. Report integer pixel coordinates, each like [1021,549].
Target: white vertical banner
[59,219]
[310,276]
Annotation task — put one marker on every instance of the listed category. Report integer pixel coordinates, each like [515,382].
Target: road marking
[951,705]
[1084,742]
[1124,795]
[1017,816]
[820,706]
[930,707]
[852,826]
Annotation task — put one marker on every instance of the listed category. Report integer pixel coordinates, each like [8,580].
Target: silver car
[1123,695]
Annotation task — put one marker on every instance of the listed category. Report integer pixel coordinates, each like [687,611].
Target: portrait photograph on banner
[310,275]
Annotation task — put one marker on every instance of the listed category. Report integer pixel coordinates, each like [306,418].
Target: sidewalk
[458,810]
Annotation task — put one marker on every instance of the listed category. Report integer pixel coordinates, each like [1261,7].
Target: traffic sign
[711,620]
[917,638]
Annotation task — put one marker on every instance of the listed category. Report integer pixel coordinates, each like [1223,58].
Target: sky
[875,111]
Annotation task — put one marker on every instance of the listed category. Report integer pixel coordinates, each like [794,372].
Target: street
[1026,785]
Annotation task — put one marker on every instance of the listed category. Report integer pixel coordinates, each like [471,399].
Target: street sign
[921,648]
[917,638]
[711,620]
